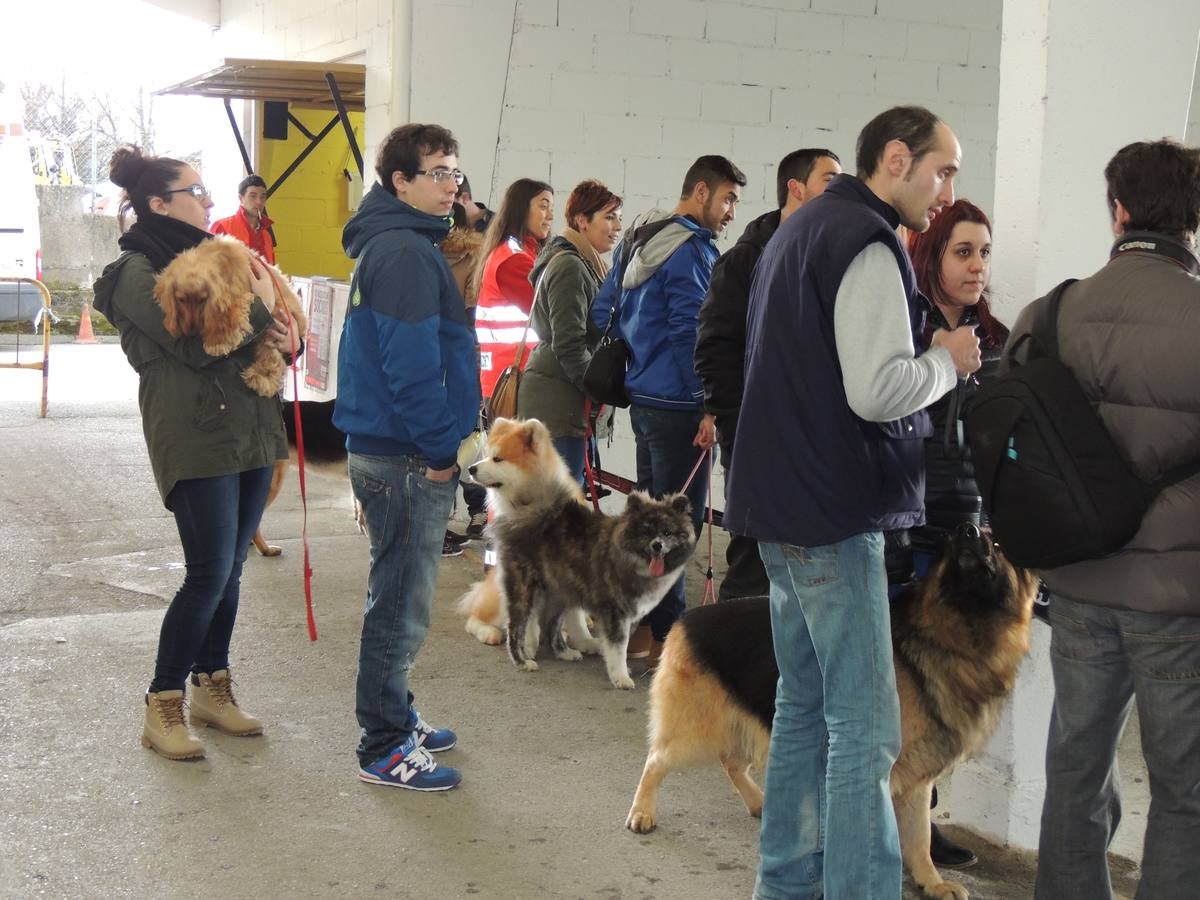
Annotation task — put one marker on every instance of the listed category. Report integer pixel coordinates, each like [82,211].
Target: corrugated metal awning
[302,84]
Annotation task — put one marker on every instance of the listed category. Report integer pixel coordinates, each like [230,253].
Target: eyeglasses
[199,191]
[440,175]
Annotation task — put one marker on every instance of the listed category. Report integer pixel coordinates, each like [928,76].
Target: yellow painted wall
[310,208]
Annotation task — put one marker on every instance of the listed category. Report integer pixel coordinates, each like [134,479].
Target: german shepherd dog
[958,638]
[569,557]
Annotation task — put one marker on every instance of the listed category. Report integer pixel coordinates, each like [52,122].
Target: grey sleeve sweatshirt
[883,379]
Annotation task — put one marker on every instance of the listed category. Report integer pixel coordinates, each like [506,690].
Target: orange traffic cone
[85,335]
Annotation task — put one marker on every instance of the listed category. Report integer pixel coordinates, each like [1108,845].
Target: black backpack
[1054,486]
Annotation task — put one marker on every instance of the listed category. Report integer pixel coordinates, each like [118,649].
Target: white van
[20,234]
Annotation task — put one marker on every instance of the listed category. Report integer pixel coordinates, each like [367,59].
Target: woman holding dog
[510,246]
[568,273]
[212,442]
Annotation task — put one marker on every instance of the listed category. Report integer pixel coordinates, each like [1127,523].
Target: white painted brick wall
[672,18]
[704,60]
[940,43]
[775,67]
[611,15]
[809,31]
[731,23]
[876,37]
[747,104]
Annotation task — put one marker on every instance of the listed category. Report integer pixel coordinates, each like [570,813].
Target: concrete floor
[90,559]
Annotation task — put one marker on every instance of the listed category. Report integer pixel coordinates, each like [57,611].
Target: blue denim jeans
[1103,661]
[216,518]
[571,451]
[665,456]
[828,827]
[406,517]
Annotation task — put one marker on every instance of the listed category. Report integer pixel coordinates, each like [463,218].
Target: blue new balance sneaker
[435,740]
[410,766]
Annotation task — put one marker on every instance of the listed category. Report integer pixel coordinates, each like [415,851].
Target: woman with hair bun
[212,443]
[568,272]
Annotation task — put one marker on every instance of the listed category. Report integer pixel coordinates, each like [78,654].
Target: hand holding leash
[706,434]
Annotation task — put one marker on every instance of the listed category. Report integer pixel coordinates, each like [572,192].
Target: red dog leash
[308,572]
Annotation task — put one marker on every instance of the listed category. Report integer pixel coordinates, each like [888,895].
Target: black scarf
[160,239]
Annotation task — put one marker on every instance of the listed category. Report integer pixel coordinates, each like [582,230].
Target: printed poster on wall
[320,334]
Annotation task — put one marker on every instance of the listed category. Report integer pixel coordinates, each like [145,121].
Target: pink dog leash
[710,593]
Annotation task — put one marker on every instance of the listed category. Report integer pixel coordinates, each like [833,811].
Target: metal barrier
[46,318]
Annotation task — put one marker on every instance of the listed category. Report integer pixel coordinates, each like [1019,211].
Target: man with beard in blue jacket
[408,397]
[668,261]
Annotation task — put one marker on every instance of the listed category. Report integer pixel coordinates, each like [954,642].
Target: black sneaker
[946,854]
[450,547]
[477,524]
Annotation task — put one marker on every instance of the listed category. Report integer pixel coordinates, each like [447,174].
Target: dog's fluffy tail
[483,605]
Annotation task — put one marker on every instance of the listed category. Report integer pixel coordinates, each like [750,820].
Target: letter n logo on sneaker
[404,772]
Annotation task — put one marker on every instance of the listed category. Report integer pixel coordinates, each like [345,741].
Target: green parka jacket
[199,418]
[552,384]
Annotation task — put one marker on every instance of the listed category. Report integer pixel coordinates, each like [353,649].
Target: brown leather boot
[213,704]
[164,730]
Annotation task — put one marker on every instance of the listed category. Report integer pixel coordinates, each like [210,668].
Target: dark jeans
[475,496]
[1104,660]
[665,456]
[571,451]
[216,518]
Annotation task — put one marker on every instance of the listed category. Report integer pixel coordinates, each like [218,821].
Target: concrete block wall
[631,92]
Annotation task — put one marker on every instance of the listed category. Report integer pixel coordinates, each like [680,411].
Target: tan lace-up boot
[213,704]
[165,732]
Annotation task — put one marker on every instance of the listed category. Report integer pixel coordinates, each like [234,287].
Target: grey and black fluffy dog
[614,568]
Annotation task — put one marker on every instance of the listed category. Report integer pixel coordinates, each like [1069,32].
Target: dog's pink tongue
[657,566]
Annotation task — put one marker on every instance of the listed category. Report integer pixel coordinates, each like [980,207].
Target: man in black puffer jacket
[721,337]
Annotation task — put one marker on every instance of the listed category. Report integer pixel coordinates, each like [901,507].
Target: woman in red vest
[510,246]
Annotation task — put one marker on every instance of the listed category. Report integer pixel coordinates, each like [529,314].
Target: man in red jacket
[250,224]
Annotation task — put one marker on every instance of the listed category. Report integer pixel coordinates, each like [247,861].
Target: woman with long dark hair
[510,246]
[953,263]
[569,272]
[212,443]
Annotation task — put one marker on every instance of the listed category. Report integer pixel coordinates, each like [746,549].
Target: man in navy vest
[828,455]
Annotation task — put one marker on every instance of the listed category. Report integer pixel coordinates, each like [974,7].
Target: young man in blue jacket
[408,396]
[670,263]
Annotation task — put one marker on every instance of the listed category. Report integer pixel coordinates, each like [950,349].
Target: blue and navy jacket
[806,470]
[408,382]
[659,313]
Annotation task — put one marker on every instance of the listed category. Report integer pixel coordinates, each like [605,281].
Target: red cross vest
[501,317]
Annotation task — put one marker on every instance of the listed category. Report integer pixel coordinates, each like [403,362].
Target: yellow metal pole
[44,365]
